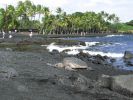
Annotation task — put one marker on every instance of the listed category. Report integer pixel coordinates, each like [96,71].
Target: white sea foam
[113,55]
[73,50]
[113,35]
[112,44]
[52,47]
[91,43]
[120,44]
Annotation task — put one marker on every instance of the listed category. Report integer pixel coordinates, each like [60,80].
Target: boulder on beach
[98,59]
[84,56]
[129,62]
[72,63]
[122,84]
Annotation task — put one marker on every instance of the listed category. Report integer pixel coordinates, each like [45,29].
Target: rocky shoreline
[27,72]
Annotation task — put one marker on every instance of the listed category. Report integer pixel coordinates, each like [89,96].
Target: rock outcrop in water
[128,58]
[128,55]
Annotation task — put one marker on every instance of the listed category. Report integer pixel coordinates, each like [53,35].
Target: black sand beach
[35,78]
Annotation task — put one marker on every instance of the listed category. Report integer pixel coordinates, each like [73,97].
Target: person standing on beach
[3,33]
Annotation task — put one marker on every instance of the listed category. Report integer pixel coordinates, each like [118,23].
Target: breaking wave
[113,35]
[73,50]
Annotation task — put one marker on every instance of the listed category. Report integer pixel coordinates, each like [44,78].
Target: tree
[39,10]
[46,14]
[24,17]
[2,11]
[11,14]
[130,23]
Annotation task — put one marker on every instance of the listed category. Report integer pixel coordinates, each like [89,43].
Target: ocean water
[112,46]
[111,43]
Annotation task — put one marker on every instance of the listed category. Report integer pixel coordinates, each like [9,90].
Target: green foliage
[1,18]
[24,16]
[130,23]
[126,28]
[115,27]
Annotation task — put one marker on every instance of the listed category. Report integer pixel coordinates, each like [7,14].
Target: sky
[122,8]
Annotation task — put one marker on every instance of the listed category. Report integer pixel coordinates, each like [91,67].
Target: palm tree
[46,14]
[33,11]
[59,18]
[39,10]
[21,13]
[2,11]
[59,10]
[11,12]
[9,18]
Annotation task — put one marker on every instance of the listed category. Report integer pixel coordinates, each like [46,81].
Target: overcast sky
[122,8]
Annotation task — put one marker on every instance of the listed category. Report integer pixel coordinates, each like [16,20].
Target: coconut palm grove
[28,16]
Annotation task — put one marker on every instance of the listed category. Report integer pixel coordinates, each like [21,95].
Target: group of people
[10,35]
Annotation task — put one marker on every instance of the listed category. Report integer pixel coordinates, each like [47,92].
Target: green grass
[126,28]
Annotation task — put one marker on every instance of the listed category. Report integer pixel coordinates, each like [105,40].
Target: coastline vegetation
[126,28]
[27,15]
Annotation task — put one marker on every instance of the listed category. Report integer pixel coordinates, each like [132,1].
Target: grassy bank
[126,28]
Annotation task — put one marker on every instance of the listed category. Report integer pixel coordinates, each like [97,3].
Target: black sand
[37,80]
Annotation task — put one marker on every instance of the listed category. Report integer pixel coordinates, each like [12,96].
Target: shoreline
[66,35]
[79,35]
